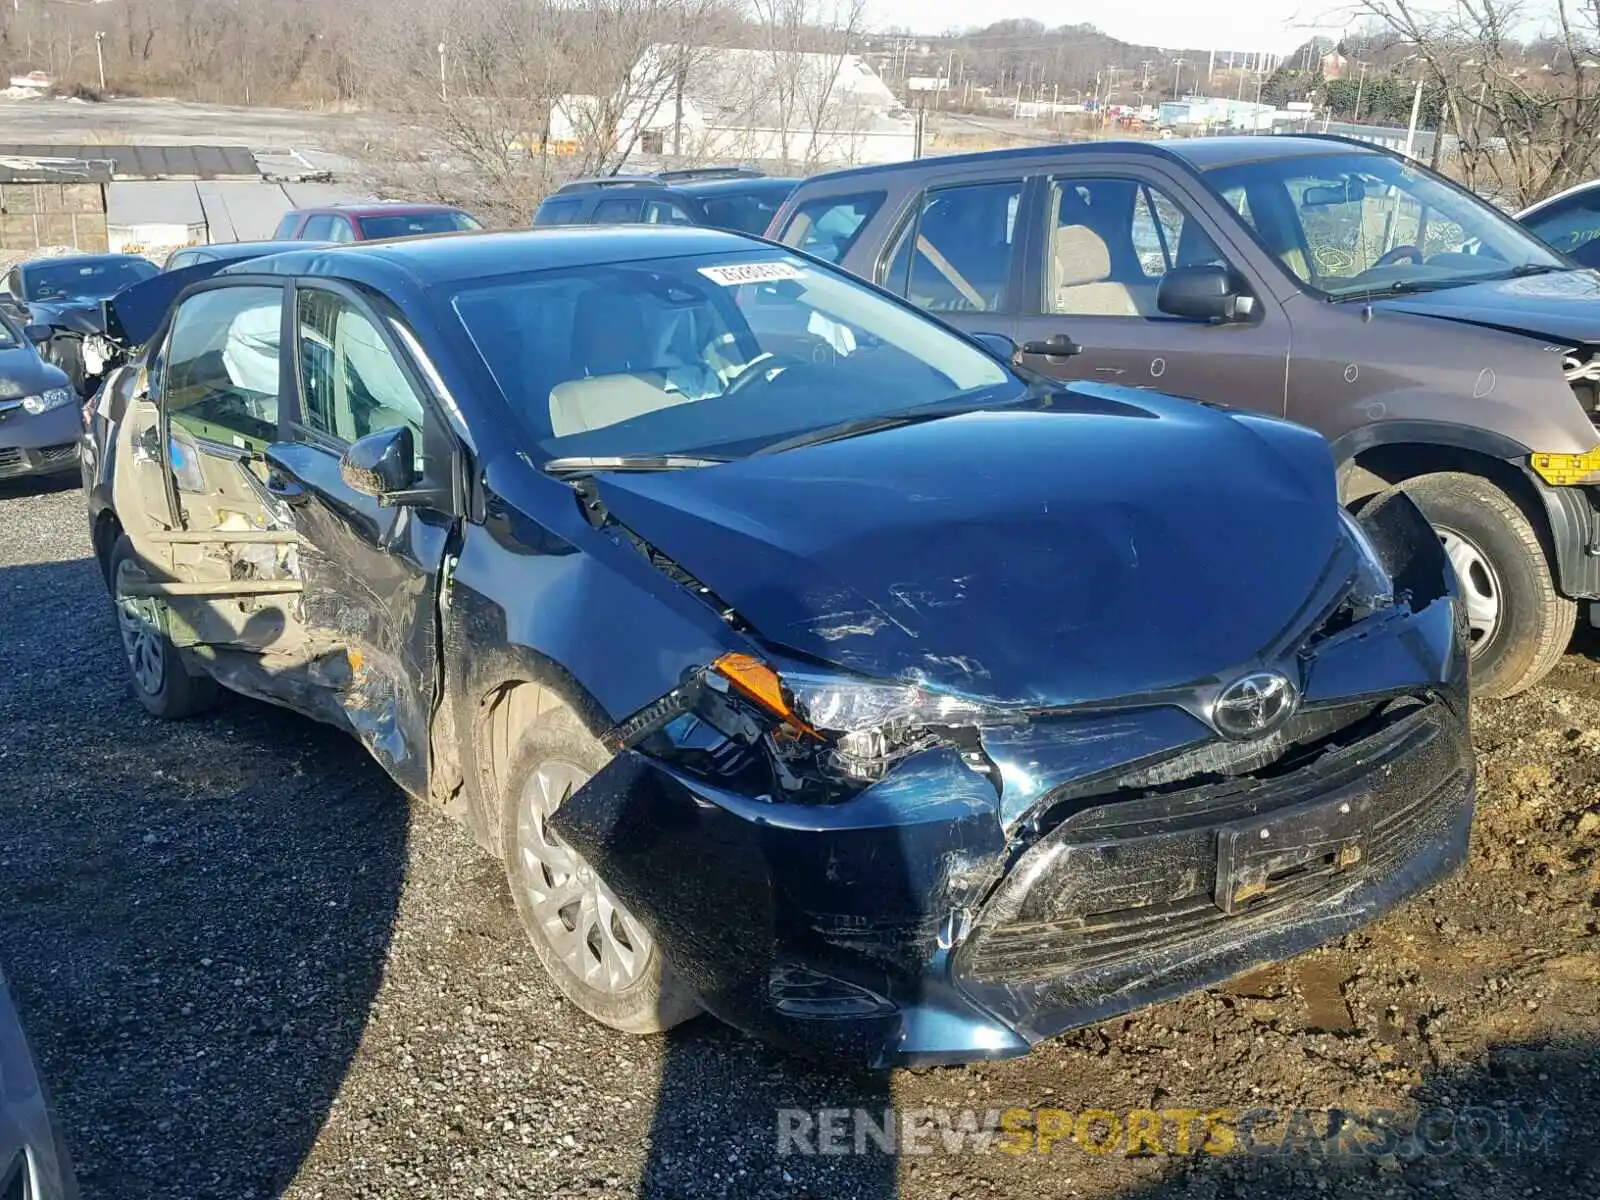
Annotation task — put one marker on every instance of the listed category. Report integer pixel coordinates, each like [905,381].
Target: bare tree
[806,44]
[1525,115]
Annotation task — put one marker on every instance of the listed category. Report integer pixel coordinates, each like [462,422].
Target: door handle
[1057,345]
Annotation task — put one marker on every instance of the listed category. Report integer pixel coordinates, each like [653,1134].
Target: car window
[665,212]
[391,225]
[10,338]
[179,259]
[558,210]
[742,212]
[350,383]
[700,351]
[285,230]
[617,211]
[92,279]
[1572,226]
[829,227]
[318,228]
[220,380]
[1110,243]
[1350,222]
[954,255]
[342,230]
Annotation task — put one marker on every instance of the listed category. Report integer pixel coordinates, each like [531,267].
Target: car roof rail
[606,181]
[685,174]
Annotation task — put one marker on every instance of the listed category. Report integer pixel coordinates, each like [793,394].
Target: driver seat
[615,363]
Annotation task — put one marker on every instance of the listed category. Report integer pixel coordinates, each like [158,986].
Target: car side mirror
[37,334]
[997,344]
[382,464]
[1203,293]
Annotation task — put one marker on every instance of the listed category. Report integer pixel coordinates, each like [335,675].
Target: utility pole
[1144,75]
[1211,66]
[100,56]
[1177,74]
[444,89]
[1416,111]
[677,106]
[1361,83]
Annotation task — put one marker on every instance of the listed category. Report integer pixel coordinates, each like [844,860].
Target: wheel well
[502,714]
[107,529]
[1380,467]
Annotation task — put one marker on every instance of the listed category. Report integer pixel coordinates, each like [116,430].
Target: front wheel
[1520,625]
[597,952]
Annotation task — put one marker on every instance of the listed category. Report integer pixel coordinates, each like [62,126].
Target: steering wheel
[762,369]
[1395,254]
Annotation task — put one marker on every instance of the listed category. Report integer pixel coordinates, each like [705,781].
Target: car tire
[160,680]
[1520,624]
[584,937]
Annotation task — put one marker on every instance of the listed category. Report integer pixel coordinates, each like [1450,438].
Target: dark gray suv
[1440,347]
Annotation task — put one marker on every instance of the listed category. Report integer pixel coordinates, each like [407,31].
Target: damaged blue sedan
[801,660]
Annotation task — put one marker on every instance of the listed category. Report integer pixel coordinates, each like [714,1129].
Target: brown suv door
[1101,238]
[954,253]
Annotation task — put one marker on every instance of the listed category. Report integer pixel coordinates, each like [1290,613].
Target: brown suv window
[1111,241]
[828,227]
[962,238]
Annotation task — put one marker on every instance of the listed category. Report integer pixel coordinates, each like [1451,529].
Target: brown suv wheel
[1520,624]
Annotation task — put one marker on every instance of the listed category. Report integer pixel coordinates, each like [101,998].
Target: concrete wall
[53,214]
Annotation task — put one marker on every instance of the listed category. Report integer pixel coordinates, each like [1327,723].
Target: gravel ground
[250,969]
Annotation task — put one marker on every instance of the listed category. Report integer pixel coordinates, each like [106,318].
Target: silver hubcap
[139,619]
[1480,586]
[582,920]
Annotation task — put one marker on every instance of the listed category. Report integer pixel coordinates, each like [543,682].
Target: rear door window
[558,210]
[318,228]
[828,227]
[220,382]
[618,211]
[1572,226]
[955,254]
[665,212]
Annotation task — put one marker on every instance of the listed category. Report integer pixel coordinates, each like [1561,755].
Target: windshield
[84,280]
[409,224]
[744,212]
[1348,224]
[10,338]
[713,354]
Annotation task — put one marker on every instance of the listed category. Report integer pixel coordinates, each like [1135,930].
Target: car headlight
[1372,589]
[860,727]
[46,401]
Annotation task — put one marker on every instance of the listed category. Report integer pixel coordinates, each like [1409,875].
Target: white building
[791,109]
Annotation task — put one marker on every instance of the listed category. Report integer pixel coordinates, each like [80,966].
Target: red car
[370,221]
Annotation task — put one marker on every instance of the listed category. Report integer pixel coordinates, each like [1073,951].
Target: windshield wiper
[911,416]
[580,465]
[1522,269]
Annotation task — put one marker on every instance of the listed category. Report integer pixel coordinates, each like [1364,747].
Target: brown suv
[1438,346]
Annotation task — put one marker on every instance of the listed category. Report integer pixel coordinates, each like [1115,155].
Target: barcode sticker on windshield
[759,272]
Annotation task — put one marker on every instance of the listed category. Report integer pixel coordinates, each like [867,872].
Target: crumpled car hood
[1563,306]
[1105,544]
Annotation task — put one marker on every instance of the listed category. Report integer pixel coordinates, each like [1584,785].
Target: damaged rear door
[370,570]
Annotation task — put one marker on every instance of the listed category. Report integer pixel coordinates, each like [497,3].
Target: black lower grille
[1131,879]
[12,460]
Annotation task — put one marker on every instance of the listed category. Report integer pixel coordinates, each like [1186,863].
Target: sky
[1278,26]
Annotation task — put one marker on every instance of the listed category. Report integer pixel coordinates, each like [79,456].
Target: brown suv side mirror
[1203,293]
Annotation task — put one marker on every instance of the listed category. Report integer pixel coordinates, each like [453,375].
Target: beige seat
[1081,282]
[614,362]
[580,405]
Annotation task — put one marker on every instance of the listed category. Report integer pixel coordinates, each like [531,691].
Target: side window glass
[1573,226]
[318,229]
[664,212]
[350,383]
[956,255]
[1110,244]
[829,227]
[342,230]
[616,212]
[220,381]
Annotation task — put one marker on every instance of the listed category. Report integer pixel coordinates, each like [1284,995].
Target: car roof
[377,208]
[70,259]
[1199,153]
[450,258]
[1576,190]
[746,186]
[245,249]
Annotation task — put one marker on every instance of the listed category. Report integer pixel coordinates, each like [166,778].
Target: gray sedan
[33,1160]
[40,420]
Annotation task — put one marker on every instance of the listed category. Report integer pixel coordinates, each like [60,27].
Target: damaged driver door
[370,566]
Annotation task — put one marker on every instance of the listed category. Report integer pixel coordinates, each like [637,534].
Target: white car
[33,1159]
[1569,221]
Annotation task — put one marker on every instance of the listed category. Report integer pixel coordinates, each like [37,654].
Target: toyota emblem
[1254,705]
